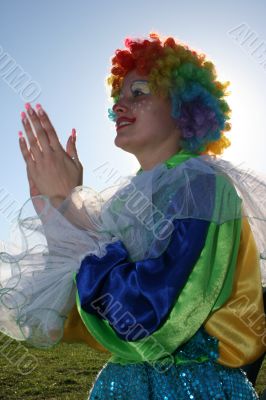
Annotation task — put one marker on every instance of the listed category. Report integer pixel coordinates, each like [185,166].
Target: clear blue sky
[66,48]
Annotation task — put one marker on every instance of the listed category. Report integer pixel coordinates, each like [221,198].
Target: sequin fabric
[197,377]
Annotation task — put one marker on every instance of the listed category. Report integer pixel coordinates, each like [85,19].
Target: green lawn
[65,372]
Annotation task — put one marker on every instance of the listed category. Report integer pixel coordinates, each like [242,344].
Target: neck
[150,159]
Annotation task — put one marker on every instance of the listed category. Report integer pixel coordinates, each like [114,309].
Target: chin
[124,146]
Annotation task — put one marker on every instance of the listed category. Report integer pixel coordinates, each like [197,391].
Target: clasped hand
[51,170]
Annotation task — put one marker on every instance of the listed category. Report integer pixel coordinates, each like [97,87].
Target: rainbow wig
[176,71]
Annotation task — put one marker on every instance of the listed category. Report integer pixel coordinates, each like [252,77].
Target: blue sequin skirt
[197,377]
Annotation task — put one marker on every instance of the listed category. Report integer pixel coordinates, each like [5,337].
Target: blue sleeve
[145,290]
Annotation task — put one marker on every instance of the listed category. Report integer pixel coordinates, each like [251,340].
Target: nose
[119,108]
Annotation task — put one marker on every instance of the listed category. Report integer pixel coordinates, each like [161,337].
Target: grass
[65,372]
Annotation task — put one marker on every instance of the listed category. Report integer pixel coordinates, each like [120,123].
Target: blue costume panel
[146,288]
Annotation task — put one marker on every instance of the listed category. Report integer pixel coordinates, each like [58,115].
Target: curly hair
[174,70]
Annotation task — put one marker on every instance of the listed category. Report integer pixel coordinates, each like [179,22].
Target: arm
[201,294]
[143,291]
[240,323]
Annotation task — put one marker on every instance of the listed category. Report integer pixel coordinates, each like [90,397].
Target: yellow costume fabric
[76,331]
[239,324]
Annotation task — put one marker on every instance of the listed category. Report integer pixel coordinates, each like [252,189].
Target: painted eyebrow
[139,81]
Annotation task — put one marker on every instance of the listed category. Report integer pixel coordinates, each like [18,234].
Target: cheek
[141,107]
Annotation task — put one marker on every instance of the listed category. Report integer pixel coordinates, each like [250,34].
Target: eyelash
[137,91]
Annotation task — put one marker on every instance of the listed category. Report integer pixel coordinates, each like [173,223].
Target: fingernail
[23,116]
[39,109]
[74,134]
[28,108]
[20,134]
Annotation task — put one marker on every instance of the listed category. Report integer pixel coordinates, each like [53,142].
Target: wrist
[56,201]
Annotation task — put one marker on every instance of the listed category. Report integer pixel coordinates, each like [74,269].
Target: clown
[162,270]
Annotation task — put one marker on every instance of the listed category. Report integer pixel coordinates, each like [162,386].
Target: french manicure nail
[28,108]
[23,116]
[73,133]
[39,109]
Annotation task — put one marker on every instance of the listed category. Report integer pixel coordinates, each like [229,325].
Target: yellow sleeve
[76,331]
[239,324]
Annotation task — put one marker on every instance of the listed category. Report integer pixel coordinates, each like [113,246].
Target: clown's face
[144,124]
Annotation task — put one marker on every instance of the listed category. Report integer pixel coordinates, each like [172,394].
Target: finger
[49,129]
[38,128]
[30,179]
[71,146]
[33,142]
[26,153]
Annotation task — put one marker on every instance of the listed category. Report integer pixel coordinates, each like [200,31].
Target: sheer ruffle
[37,289]
[36,275]
[251,187]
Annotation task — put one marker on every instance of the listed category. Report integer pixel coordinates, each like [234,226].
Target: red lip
[121,119]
